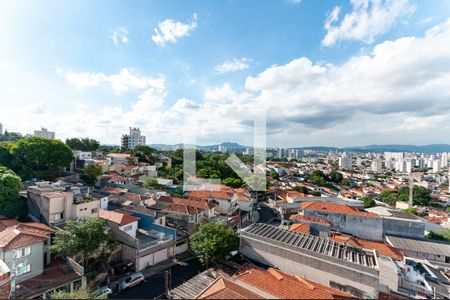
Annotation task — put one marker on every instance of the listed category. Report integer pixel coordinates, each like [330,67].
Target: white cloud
[367,20]
[120,36]
[404,79]
[295,1]
[234,65]
[169,31]
[124,81]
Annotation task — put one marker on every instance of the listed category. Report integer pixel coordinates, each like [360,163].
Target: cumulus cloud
[408,76]
[169,31]
[120,36]
[124,81]
[367,20]
[234,65]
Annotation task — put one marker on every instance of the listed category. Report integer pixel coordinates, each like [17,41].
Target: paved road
[154,286]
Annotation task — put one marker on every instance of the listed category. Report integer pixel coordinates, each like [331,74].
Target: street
[154,285]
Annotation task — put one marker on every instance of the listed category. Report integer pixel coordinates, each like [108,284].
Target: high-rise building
[436,166]
[444,160]
[1,128]
[44,133]
[377,165]
[345,162]
[129,141]
[358,161]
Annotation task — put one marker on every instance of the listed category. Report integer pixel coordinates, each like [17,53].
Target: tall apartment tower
[411,188]
[1,128]
[129,141]
[345,162]
[44,133]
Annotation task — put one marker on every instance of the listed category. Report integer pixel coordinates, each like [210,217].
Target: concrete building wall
[405,228]
[86,210]
[359,226]
[361,281]
[35,259]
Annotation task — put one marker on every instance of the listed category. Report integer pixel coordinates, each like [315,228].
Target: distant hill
[433,148]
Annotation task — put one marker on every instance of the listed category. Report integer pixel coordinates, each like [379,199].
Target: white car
[132,280]
[103,293]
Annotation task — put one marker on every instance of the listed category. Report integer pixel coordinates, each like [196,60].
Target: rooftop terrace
[312,243]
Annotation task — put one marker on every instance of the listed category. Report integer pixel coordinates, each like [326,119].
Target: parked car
[258,207]
[132,280]
[103,292]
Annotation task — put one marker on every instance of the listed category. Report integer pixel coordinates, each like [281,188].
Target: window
[22,269]
[94,211]
[23,252]
[128,228]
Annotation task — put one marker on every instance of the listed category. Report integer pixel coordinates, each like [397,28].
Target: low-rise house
[227,200]
[317,226]
[5,282]
[53,205]
[437,252]
[124,158]
[347,219]
[143,242]
[24,250]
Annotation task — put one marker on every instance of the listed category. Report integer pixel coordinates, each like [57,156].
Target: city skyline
[340,73]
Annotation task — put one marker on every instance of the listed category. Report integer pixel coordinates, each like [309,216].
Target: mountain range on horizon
[431,148]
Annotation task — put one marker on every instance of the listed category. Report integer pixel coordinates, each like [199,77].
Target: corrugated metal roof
[424,246]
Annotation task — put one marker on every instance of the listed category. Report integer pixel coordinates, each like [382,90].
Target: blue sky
[93,68]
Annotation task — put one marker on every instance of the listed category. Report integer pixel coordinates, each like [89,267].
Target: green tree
[335,176]
[441,235]
[368,202]
[144,153]
[83,144]
[233,182]
[77,294]
[6,157]
[40,157]
[91,172]
[10,204]
[274,175]
[83,238]
[421,195]
[150,183]
[410,211]
[301,189]
[212,242]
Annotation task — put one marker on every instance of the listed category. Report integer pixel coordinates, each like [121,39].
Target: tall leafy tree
[368,202]
[91,172]
[213,241]
[40,157]
[82,238]
[84,144]
[10,204]
[77,294]
[6,157]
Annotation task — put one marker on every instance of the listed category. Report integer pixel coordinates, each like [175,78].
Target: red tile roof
[285,286]
[118,155]
[300,228]
[23,234]
[226,289]
[113,190]
[336,208]
[310,219]
[225,195]
[204,205]
[382,248]
[118,217]
[179,208]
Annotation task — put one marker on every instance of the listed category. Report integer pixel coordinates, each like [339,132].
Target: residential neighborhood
[192,149]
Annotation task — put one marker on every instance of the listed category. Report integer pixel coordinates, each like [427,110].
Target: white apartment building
[133,139]
[436,166]
[44,133]
[377,165]
[345,162]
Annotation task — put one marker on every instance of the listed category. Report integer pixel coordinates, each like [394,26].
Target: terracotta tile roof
[116,216]
[4,223]
[285,286]
[300,228]
[113,190]
[294,194]
[179,208]
[118,155]
[204,205]
[226,289]
[133,196]
[23,234]
[382,248]
[310,219]
[56,195]
[117,178]
[166,199]
[225,195]
[336,208]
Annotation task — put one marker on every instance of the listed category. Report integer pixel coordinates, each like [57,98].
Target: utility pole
[410,204]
